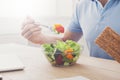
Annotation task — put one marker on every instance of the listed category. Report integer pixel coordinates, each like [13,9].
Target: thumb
[28,20]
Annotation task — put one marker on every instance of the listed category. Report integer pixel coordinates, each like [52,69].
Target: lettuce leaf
[48,48]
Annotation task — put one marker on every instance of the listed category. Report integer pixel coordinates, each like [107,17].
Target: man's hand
[31,31]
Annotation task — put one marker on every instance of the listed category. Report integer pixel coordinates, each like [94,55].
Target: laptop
[10,62]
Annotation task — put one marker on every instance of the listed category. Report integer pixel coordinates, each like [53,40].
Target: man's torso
[94,18]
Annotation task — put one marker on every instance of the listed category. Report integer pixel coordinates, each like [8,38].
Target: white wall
[21,8]
[64,7]
[13,12]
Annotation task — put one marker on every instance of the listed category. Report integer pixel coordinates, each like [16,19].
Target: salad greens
[62,53]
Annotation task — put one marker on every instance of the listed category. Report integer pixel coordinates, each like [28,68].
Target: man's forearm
[75,36]
[49,39]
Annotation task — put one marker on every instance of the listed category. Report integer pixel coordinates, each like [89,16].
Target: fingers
[31,36]
[30,29]
[34,36]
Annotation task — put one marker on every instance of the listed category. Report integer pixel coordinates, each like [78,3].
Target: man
[90,18]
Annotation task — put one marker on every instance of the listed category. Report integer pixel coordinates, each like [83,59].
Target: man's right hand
[31,31]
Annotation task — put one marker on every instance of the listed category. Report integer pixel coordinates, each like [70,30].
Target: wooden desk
[38,68]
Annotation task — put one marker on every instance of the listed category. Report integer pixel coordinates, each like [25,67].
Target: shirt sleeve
[74,25]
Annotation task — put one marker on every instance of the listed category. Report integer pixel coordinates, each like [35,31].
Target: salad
[62,53]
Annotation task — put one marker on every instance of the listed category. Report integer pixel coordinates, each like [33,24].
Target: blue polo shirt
[90,18]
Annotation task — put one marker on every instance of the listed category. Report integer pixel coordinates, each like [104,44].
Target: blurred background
[48,12]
